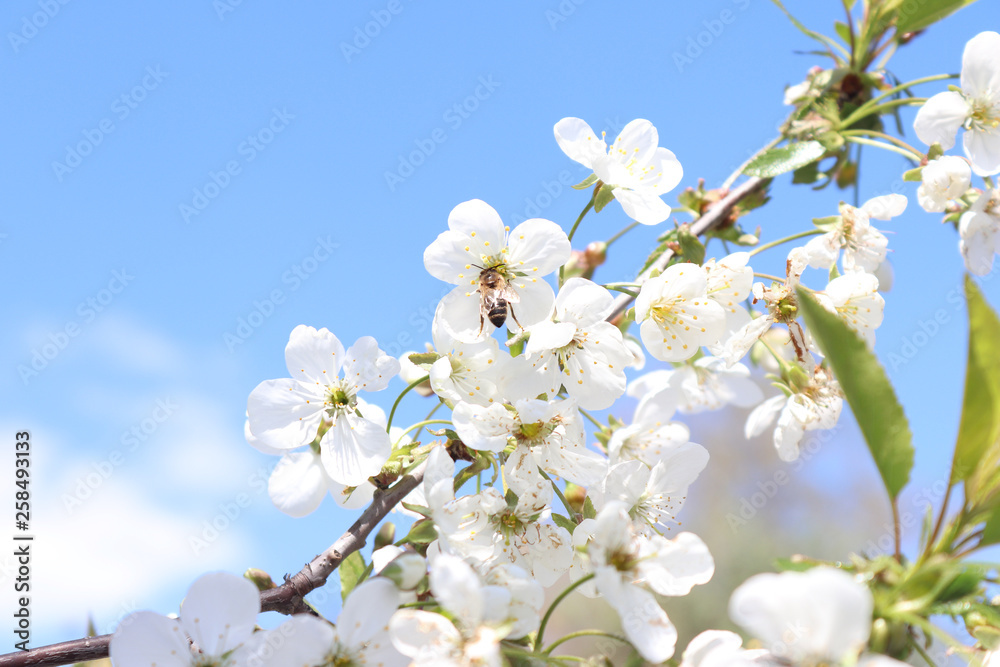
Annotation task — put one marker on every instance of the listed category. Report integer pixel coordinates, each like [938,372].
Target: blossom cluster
[475,582]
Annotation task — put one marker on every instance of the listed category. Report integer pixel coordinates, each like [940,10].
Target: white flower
[729,282]
[677,317]
[651,437]
[627,566]
[855,298]
[654,495]
[976,108]
[287,413]
[638,171]
[552,430]
[821,616]
[720,648]
[864,246]
[943,179]
[979,233]
[466,371]
[815,406]
[218,615]
[485,613]
[477,240]
[706,384]
[484,527]
[578,349]
[359,638]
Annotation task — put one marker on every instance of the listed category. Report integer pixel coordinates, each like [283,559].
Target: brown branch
[285,599]
[709,220]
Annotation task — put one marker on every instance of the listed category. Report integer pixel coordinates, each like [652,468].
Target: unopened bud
[596,253]
[386,535]
[797,378]
[259,578]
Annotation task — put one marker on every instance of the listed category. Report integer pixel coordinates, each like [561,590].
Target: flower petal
[940,117]
[220,611]
[981,65]
[313,356]
[147,638]
[644,206]
[579,142]
[285,413]
[367,367]
[298,483]
[354,449]
[537,247]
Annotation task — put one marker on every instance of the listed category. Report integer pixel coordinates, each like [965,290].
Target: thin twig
[285,599]
[709,220]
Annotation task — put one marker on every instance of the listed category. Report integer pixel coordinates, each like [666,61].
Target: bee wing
[510,295]
[491,298]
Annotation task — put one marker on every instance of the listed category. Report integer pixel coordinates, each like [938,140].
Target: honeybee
[496,298]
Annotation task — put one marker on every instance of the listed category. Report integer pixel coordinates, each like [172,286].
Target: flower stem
[866,108]
[768,276]
[625,230]
[881,135]
[555,603]
[400,397]
[613,286]
[772,244]
[419,425]
[591,418]
[584,212]
[889,147]
[585,633]
[559,493]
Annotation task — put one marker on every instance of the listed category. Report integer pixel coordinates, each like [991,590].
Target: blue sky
[186,182]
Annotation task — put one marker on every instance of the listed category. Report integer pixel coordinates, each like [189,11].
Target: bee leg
[510,308]
[482,323]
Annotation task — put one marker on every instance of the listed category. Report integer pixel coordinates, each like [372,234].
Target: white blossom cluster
[517,412]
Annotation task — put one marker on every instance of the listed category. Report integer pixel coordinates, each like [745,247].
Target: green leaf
[563,522]
[868,392]
[603,197]
[589,512]
[915,16]
[419,509]
[787,158]
[808,174]
[843,31]
[422,532]
[352,572]
[914,175]
[980,422]
[585,183]
[692,249]
[823,39]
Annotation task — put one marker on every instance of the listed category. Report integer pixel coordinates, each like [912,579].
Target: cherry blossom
[477,240]
[864,246]
[578,349]
[629,567]
[855,298]
[814,405]
[638,171]
[676,315]
[979,233]
[217,618]
[976,108]
[287,413]
[943,179]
